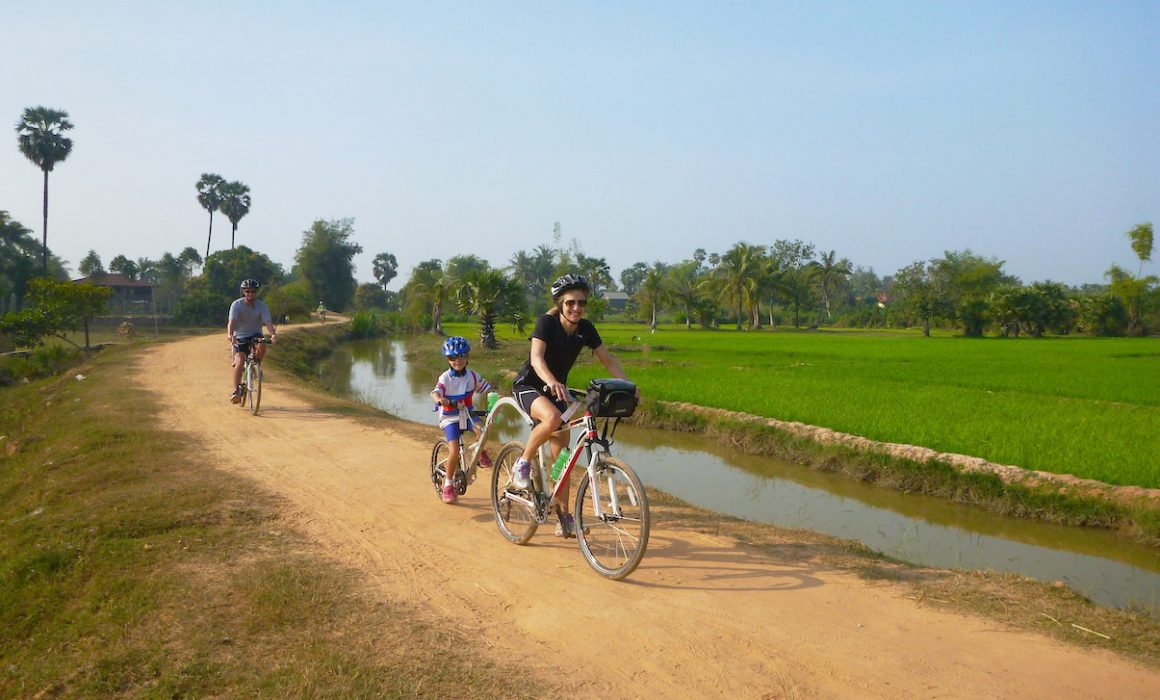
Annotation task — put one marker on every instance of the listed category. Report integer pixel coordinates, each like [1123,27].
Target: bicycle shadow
[302,413]
[681,563]
[720,567]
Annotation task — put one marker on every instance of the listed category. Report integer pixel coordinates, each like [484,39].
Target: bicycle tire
[613,546]
[516,521]
[254,388]
[439,452]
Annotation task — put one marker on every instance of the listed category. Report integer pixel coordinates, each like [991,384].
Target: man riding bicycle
[247,316]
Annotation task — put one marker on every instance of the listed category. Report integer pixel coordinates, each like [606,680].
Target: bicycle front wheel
[254,388]
[514,513]
[612,521]
[439,465]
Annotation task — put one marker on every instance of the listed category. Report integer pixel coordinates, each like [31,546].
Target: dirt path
[701,617]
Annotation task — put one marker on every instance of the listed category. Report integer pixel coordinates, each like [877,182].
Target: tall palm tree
[682,286]
[488,294]
[652,292]
[1142,244]
[42,141]
[831,272]
[210,198]
[235,204]
[735,276]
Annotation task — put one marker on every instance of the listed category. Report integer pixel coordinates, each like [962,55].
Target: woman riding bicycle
[541,386]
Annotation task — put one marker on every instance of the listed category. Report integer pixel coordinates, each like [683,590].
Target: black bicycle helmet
[250,284]
[568,282]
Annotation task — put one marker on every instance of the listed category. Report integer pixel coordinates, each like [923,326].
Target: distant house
[128,294]
[617,301]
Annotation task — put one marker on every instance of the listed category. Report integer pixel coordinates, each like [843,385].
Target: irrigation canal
[920,529]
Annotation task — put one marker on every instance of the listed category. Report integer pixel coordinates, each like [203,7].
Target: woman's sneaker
[449,495]
[236,397]
[522,474]
[484,460]
[566,527]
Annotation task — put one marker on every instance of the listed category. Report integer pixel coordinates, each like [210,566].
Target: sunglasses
[582,303]
[456,357]
[249,291]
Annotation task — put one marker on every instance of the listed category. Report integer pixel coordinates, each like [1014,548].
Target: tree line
[753,286]
[748,285]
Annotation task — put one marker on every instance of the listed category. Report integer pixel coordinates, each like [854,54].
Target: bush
[39,363]
[202,308]
[291,300]
[375,324]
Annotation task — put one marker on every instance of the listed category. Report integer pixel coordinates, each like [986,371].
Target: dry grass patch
[129,568]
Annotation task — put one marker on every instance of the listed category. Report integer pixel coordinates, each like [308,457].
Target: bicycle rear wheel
[614,543]
[254,387]
[514,516]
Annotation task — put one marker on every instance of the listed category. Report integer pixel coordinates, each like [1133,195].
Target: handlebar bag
[611,398]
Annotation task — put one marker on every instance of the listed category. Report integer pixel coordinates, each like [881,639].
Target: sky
[887,132]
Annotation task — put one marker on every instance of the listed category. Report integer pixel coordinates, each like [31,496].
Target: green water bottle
[561,462]
[492,400]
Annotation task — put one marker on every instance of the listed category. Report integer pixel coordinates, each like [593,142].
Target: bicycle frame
[590,440]
[469,454]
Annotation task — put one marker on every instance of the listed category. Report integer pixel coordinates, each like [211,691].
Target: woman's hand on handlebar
[558,391]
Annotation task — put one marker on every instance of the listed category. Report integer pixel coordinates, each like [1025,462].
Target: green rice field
[1083,406]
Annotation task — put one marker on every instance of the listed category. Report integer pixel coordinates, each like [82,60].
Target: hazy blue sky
[889,132]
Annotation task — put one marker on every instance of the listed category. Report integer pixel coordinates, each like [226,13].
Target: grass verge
[130,568]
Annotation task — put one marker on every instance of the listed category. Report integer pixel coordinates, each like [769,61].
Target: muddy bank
[1127,495]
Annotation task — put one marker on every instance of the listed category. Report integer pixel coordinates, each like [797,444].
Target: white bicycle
[611,507]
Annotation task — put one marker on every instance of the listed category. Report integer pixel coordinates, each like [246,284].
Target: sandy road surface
[701,617]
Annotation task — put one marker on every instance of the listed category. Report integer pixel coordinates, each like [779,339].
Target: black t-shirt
[562,350]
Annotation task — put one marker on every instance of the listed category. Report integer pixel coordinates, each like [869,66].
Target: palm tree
[189,257]
[597,271]
[488,294]
[210,198]
[652,292]
[1142,244]
[42,141]
[18,254]
[831,273]
[385,267]
[430,287]
[735,276]
[682,286]
[235,204]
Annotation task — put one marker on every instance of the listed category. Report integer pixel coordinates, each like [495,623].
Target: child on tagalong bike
[453,393]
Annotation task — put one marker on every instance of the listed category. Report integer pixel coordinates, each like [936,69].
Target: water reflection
[925,530]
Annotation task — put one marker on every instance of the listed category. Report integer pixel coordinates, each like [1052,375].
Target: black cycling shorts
[526,395]
[242,345]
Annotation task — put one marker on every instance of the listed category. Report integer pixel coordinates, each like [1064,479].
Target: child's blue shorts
[452,431]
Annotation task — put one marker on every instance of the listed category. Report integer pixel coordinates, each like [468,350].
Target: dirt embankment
[703,616]
[1127,495]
